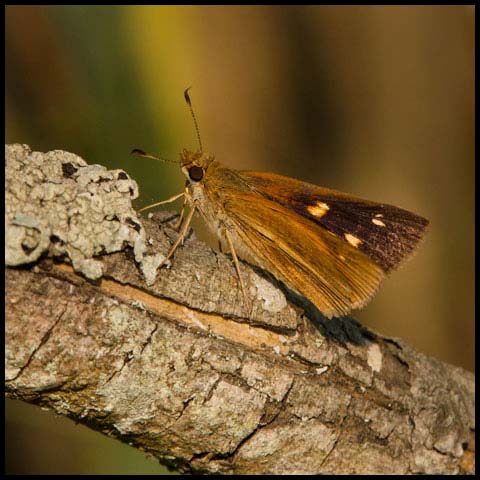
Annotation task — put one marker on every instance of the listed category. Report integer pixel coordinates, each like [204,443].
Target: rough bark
[180,368]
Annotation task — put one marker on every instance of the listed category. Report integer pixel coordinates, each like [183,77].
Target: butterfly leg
[237,267]
[182,214]
[181,235]
[169,200]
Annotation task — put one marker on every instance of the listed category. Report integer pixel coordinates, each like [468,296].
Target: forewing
[386,234]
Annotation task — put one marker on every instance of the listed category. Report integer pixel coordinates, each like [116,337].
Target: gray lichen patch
[58,204]
[273,299]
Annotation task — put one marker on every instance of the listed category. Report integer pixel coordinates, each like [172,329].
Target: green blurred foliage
[375,101]
[41,443]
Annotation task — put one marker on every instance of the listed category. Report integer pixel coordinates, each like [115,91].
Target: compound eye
[195,173]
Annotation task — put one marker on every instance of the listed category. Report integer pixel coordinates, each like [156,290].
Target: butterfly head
[195,164]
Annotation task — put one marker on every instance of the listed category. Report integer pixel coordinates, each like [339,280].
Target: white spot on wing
[352,240]
[378,222]
[318,210]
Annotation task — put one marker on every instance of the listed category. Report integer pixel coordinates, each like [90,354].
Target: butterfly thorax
[210,186]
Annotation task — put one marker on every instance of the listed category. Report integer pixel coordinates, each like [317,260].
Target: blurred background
[374,101]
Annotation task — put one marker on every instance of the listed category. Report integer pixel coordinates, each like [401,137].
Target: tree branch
[176,366]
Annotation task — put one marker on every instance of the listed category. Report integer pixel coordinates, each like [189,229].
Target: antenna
[189,103]
[141,153]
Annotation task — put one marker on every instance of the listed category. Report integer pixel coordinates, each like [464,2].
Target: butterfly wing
[308,258]
[384,233]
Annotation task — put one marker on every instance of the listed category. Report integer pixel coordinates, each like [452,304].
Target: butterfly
[329,246]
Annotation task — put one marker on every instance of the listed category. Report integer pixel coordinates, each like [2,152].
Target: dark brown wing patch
[386,234]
